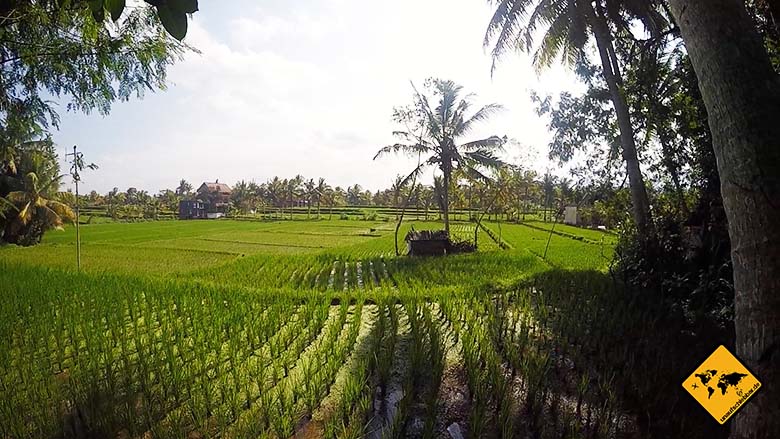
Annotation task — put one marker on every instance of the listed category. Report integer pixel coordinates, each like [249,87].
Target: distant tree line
[511,195]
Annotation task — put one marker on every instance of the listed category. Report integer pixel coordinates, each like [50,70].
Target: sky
[307,87]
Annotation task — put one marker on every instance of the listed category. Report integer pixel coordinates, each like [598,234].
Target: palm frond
[434,160]
[484,158]
[51,218]
[408,149]
[481,115]
[558,40]
[492,143]
[448,96]
[516,24]
[6,206]
[411,138]
[474,175]
[543,14]
[63,210]
[17,197]
[505,27]
[26,213]
[412,175]
[434,127]
[645,11]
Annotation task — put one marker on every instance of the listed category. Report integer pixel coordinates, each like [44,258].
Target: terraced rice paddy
[293,328]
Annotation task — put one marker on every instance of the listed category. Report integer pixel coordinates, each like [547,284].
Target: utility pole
[77,165]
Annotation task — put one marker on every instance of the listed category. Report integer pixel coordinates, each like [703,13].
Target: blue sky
[306,87]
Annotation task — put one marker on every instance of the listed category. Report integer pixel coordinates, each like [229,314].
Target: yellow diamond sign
[721,384]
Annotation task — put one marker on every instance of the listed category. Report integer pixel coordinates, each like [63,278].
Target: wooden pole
[74,172]
[78,236]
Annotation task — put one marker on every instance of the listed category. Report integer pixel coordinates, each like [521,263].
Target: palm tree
[319,191]
[330,195]
[568,25]
[741,91]
[309,190]
[241,197]
[292,190]
[114,201]
[354,194]
[256,193]
[440,127]
[36,211]
[5,207]
[548,187]
[275,192]
[396,189]
[438,193]
[167,198]
[426,197]
[184,188]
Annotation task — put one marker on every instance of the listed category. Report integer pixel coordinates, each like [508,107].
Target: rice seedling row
[278,410]
[226,386]
[492,405]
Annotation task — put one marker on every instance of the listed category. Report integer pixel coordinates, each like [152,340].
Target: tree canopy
[49,50]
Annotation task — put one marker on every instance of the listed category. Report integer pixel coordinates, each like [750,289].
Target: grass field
[279,328]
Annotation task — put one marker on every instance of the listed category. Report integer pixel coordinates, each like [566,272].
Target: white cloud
[306,88]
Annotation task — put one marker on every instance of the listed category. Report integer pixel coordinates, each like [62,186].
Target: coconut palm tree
[354,195]
[114,199]
[396,190]
[293,191]
[275,192]
[241,197]
[34,210]
[167,198]
[568,25]
[437,130]
[330,196]
[184,189]
[319,192]
[256,192]
[309,192]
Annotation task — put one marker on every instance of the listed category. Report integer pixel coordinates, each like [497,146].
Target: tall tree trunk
[525,202]
[446,204]
[639,200]
[742,96]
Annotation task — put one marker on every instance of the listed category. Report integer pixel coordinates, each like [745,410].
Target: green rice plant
[562,251]
[435,356]
[210,349]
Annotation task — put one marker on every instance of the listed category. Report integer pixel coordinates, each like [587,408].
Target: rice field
[561,251]
[240,329]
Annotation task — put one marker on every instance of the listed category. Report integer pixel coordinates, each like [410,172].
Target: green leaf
[96,7]
[115,7]
[186,6]
[173,21]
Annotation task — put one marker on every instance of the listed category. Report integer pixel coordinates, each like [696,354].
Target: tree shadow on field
[627,347]
[91,410]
